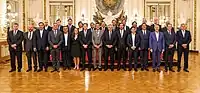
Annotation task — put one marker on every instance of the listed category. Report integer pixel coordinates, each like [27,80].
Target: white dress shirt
[157,35]
[41,33]
[121,32]
[133,39]
[183,32]
[66,38]
[85,33]
[46,27]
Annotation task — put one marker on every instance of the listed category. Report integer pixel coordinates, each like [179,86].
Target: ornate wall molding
[24,16]
[195,23]
[45,9]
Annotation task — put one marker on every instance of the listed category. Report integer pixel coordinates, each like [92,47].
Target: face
[114,22]
[156,20]
[55,26]
[183,27]
[124,22]
[103,24]
[169,27]
[15,27]
[58,22]
[97,26]
[144,20]
[41,26]
[144,26]
[121,26]
[75,31]
[156,28]
[85,27]
[134,25]
[92,25]
[133,30]
[69,22]
[110,27]
[65,29]
[46,23]
[80,25]
[30,28]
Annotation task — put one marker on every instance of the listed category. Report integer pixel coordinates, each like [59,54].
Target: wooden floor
[102,82]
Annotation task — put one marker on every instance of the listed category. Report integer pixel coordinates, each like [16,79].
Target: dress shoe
[19,70]
[69,68]
[135,69]
[46,70]
[118,69]
[186,70]
[28,70]
[124,69]
[146,69]
[142,69]
[94,69]
[64,68]
[112,69]
[154,70]
[166,70]
[129,69]
[57,70]
[105,69]
[12,70]
[40,70]
[35,69]
[100,69]
[89,69]
[82,69]
[178,70]
[53,70]
[158,70]
[171,70]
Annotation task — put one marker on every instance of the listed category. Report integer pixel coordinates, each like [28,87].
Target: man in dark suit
[157,46]
[29,44]
[144,47]
[86,43]
[126,28]
[46,26]
[55,39]
[133,42]
[109,42]
[42,47]
[66,54]
[14,39]
[92,26]
[70,26]
[60,27]
[183,39]
[103,26]
[114,24]
[121,46]
[170,47]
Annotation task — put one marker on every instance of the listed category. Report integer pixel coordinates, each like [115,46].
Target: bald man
[29,44]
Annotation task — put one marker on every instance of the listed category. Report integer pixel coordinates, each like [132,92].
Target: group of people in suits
[112,42]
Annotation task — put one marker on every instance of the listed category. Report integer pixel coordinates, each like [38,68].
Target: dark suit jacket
[170,39]
[68,42]
[17,39]
[130,41]
[165,29]
[152,28]
[60,28]
[29,44]
[122,40]
[107,41]
[154,44]
[55,40]
[71,29]
[49,28]
[183,40]
[144,39]
[106,29]
[86,40]
[41,43]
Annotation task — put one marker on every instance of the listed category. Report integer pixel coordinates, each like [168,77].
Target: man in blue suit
[157,45]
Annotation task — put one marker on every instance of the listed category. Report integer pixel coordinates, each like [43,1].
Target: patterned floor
[102,82]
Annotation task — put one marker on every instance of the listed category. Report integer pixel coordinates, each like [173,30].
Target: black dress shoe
[158,70]
[89,69]
[12,70]
[166,70]
[94,69]
[69,68]
[35,69]
[112,69]
[19,70]
[40,70]
[130,69]
[186,70]
[105,69]
[154,70]
[171,70]
[124,69]
[82,69]
[146,69]
[118,69]
[135,69]
[53,70]
[64,68]
[100,69]
[178,70]
[57,70]
[142,69]
[28,70]
[46,70]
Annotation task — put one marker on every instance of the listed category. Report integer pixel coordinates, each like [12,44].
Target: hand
[12,46]
[133,48]
[98,46]
[171,46]
[111,46]
[86,46]
[47,48]
[34,49]
[95,46]
[108,46]
[15,48]
[151,50]
[184,45]
[139,48]
[163,51]
[55,46]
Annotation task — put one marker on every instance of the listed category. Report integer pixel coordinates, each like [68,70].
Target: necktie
[55,33]
[15,32]
[121,33]
[110,33]
[85,33]
[29,36]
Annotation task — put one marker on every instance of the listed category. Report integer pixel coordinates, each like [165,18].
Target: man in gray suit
[55,39]
[29,44]
[97,45]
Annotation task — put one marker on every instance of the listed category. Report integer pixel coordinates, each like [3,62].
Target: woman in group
[80,26]
[75,48]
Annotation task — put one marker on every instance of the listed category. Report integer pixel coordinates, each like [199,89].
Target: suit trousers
[156,59]
[144,58]
[13,55]
[30,55]
[169,55]
[43,59]
[133,54]
[55,58]
[186,53]
[94,53]
[66,56]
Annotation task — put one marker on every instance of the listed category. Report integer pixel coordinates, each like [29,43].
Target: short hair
[65,26]
[58,20]
[183,24]
[144,24]
[80,22]
[69,19]
[85,24]
[120,24]
[54,23]
[114,20]
[134,22]
[40,23]
[16,24]
[169,24]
